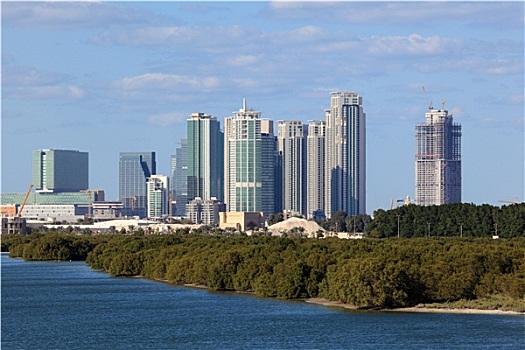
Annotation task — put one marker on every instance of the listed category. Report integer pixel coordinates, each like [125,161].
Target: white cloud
[517,99]
[22,76]
[503,68]
[243,60]
[75,91]
[503,14]
[46,92]
[166,81]
[196,38]
[72,15]
[414,44]
[166,119]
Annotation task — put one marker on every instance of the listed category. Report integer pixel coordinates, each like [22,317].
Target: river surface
[66,305]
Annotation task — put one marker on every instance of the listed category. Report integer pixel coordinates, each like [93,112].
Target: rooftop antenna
[244,104]
[429,103]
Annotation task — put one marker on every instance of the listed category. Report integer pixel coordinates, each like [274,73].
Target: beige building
[8,210]
[241,221]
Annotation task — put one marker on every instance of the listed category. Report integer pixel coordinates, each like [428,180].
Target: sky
[109,77]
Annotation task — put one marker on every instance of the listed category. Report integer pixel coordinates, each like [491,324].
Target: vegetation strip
[369,273]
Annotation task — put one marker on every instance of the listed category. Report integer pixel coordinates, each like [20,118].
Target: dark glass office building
[134,170]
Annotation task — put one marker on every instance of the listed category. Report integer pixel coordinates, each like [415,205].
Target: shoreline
[413,309]
[338,304]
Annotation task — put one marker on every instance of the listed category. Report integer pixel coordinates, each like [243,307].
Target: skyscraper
[158,196]
[316,169]
[134,170]
[205,157]
[60,170]
[438,159]
[180,178]
[249,161]
[345,152]
[291,144]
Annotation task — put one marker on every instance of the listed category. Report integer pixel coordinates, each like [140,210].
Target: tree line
[367,273]
[450,220]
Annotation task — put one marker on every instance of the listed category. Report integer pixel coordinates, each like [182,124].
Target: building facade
[134,170]
[107,210]
[315,173]
[179,183]
[249,162]
[55,212]
[205,156]
[241,221]
[205,212]
[158,196]
[291,145]
[438,160]
[345,152]
[60,170]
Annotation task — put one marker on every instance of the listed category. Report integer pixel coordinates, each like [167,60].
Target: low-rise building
[55,212]
[8,209]
[106,210]
[14,225]
[204,211]
[241,221]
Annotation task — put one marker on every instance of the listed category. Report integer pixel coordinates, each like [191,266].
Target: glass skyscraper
[179,183]
[438,159]
[205,157]
[249,161]
[134,170]
[60,170]
[345,153]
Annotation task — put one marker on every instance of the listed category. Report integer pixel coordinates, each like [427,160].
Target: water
[66,305]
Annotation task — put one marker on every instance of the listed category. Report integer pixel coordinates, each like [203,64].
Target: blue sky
[124,76]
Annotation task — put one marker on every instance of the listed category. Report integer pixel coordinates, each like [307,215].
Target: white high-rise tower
[316,169]
[291,144]
[345,155]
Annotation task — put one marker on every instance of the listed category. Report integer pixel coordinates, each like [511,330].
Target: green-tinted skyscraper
[205,157]
[57,170]
[249,161]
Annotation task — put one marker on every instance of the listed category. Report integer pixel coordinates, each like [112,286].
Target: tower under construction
[438,159]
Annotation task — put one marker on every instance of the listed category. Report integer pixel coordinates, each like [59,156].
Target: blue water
[66,305]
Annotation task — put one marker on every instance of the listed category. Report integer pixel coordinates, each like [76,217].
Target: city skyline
[126,76]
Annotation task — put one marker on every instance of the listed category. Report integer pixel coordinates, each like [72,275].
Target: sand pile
[310,227]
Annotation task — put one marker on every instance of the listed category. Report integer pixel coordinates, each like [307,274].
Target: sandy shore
[326,302]
[454,311]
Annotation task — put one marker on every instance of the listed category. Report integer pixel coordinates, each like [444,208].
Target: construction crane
[88,193]
[19,214]
[429,103]
[170,208]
